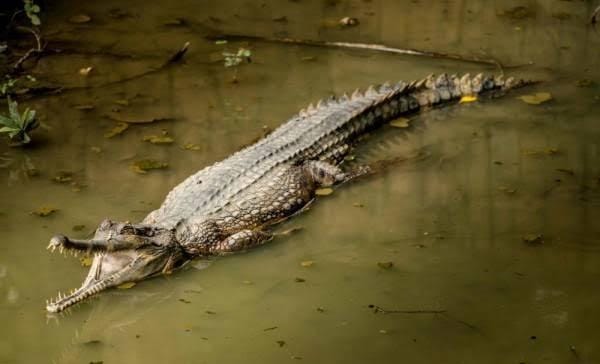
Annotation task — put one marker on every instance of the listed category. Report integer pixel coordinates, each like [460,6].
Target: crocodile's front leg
[242,240]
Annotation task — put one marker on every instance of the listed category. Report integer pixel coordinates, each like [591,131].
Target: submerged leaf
[126,285]
[158,139]
[145,165]
[537,98]
[400,123]
[468,98]
[385,265]
[324,191]
[116,130]
[44,211]
[191,146]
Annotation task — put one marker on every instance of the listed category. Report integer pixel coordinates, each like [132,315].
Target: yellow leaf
[118,129]
[126,285]
[466,99]
[158,139]
[401,123]
[324,191]
[307,263]
[144,165]
[537,98]
[192,146]
[86,261]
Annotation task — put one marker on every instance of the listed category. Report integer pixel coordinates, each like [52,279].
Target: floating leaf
[86,261]
[586,82]
[320,309]
[96,149]
[221,42]
[468,98]
[192,146]
[158,139]
[85,71]
[385,265]
[126,285]
[280,343]
[400,123]
[348,21]
[44,211]
[324,191]
[116,130]
[184,300]
[357,204]
[80,19]
[299,280]
[533,238]
[145,165]
[307,263]
[122,102]
[537,98]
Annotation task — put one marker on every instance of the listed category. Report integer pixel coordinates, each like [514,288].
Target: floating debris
[357,204]
[84,107]
[144,165]
[320,309]
[568,171]
[96,149]
[184,300]
[586,82]
[271,328]
[137,120]
[116,130]
[158,139]
[385,265]
[126,285]
[80,19]
[63,177]
[400,123]
[280,343]
[307,263]
[44,211]
[122,102]
[324,191]
[537,98]
[299,280]
[308,59]
[280,19]
[548,152]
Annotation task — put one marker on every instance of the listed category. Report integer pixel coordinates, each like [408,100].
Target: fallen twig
[377,309]
[173,59]
[37,50]
[363,46]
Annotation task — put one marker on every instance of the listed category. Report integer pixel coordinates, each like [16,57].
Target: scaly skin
[229,206]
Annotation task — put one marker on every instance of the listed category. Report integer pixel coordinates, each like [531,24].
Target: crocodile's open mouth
[111,267]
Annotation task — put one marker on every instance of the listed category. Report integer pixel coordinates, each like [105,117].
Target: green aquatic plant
[32,11]
[233,60]
[18,125]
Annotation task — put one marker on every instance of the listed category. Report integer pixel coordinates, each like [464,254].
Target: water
[452,223]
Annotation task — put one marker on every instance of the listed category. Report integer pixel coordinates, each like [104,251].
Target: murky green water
[451,223]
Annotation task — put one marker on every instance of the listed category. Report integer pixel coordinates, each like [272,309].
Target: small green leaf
[35,20]
[35,8]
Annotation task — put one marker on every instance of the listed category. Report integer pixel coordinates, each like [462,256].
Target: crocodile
[230,206]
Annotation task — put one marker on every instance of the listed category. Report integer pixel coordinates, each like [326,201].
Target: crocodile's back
[310,134]
[306,135]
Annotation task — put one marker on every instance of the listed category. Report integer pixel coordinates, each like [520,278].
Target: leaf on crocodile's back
[537,98]
[468,98]
[324,191]
[144,165]
[44,211]
[400,123]
[126,285]
[116,130]
[158,139]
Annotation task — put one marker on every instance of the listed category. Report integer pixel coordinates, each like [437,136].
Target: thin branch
[363,46]
[37,50]
[377,309]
